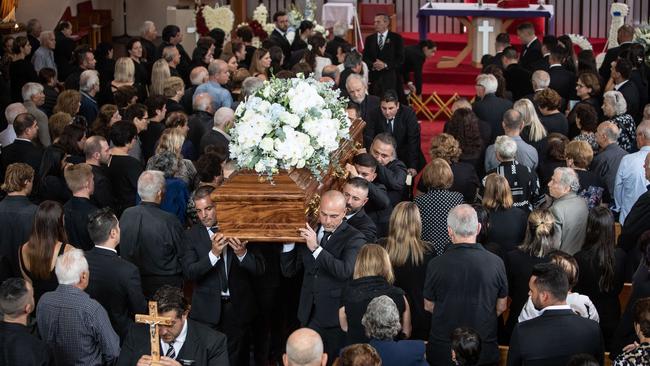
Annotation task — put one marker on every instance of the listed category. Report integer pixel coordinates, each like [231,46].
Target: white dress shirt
[319,236]
[178,342]
[580,304]
[224,254]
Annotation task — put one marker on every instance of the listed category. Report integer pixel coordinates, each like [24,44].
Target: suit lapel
[190,347]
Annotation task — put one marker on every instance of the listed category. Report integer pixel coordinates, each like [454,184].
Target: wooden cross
[154,321]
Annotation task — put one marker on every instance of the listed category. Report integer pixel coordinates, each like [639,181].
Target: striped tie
[381,41]
[171,353]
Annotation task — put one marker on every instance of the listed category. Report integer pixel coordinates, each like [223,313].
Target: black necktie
[389,125]
[171,353]
[326,236]
[223,277]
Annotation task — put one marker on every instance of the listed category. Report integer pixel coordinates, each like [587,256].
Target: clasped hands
[379,65]
[219,242]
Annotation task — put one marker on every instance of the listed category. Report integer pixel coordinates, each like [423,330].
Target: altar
[486,22]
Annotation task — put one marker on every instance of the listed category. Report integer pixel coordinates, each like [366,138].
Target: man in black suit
[517,77]
[185,342]
[16,214]
[488,107]
[620,71]
[79,178]
[414,58]
[84,59]
[217,135]
[355,191]
[391,172]
[17,345]
[557,334]
[152,237]
[279,35]
[501,43]
[625,36]
[401,122]
[202,120]
[222,270]
[384,55]
[378,207]
[531,53]
[562,81]
[98,155]
[368,104]
[328,259]
[115,282]
[23,149]
[172,36]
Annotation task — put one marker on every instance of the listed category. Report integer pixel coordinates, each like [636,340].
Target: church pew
[624,296]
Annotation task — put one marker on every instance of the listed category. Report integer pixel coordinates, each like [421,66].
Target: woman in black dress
[588,89]
[549,102]
[540,239]
[602,269]
[373,277]
[497,199]
[123,170]
[464,126]
[21,70]
[409,256]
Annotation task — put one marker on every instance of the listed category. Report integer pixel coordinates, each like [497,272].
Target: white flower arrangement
[261,14]
[581,41]
[219,17]
[289,123]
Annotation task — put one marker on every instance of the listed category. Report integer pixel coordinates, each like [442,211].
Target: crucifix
[154,321]
[485,29]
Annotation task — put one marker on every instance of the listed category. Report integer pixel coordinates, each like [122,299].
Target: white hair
[354,77]
[69,267]
[540,79]
[569,178]
[150,183]
[222,116]
[88,80]
[617,100]
[31,89]
[202,102]
[505,147]
[13,110]
[340,29]
[198,74]
[488,82]
[146,26]
[250,85]
[463,221]
[44,36]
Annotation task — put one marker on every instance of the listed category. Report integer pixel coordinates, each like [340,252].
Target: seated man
[185,342]
[564,333]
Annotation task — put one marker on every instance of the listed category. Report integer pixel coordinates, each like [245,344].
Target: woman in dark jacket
[497,199]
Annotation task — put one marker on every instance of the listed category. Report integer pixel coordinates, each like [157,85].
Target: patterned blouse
[434,208]
[589,137]
[627,139]
[638,357]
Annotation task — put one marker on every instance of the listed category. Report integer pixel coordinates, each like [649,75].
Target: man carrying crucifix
[183,342]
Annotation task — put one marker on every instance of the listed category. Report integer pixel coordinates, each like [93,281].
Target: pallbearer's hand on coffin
[219,241]
[238,246]
[310,237]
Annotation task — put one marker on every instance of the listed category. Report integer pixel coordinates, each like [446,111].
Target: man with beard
[368,104]
[355,191]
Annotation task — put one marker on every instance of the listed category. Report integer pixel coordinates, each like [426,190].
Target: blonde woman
[534,130]
[373,276]
[159,74]
[497,200]
[409,256]
[124,73]
[174,90]
[178,121]
[171,140]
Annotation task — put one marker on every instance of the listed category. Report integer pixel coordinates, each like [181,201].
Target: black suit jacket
[103,193]
[76,212]
[19,347]
[279,40]
[491,109]
[21,151]
[518,81]
[636,223]
[532,57]
[212,137]
[564,334]
[369,107]
[206,299]
[362,222]
[186,100]
[332,47]
[199,123]
[16,217]
[631,95]
[184,66]
[413,62]
[406,131]
[324,277]
[611,55]
[204,346]
[563,82]
[115,284]
[392,54]
[393,177]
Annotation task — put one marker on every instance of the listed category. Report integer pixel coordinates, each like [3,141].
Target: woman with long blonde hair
[171,140]
[409,256]
[159,75]
[534,131]
[373,276]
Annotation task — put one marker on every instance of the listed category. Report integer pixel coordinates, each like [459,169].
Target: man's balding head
[202,102]
[304,348]
[13,110]
[199,75]
[332,210]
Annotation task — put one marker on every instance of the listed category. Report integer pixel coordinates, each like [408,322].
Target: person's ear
[28,308]
[453,356]
[323,359]
[285,359]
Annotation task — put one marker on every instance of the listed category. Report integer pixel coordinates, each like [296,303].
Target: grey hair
[69,267]
[489,82]
[215,67]
[250,85]
[202,102]
[617,100]
[13,110]
[168,53]
[610,131]
[146,26]
[198,74]
[512,120]
[150,183]
[45,35]
[568,178]
[355,77]
[31,89]
[340,29]
[352,59]
[644,129]
[88,80]
[166,162]
[540,79]
[381,319]
[463,220]
[222,116]
[505,147]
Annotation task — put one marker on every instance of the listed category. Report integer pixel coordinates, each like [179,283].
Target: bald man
[327,257]
[218,75]
[304,348]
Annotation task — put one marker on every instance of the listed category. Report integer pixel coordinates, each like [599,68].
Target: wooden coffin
[253,208]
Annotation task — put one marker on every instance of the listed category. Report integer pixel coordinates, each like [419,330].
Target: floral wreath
[209,18]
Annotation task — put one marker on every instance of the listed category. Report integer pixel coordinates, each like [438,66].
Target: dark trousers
[151,284]
[238,334]
[333,339]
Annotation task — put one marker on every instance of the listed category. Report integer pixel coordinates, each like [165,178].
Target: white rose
[266,144]
[259,167]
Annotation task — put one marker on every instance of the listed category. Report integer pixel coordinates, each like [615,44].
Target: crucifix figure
[485,29]
[154,321]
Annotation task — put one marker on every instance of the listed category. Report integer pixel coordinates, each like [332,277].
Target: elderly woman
[382,324]
[592,188]
[409,255]
[549,102]
[171,140]
[614,107]
[640,354]
[586,120]
[497,199]
[177,191]
[373,276]
[466,182]
[436,203]
[534,131]
[174,90]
